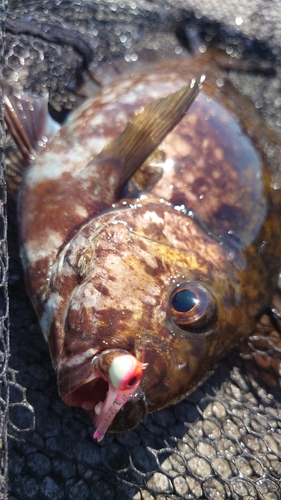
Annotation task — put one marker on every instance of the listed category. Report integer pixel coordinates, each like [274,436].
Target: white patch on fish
[80,358]
[39,249]
[54,301]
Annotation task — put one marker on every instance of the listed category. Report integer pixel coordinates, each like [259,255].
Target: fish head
[153,285]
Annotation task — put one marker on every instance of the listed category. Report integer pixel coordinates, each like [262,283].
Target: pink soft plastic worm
[119,401]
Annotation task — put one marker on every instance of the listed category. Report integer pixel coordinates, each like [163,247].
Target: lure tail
[118,401]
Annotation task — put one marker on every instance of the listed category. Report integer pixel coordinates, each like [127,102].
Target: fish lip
[71,377]
[131,414]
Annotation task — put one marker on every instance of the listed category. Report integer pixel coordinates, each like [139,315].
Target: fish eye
[192,306]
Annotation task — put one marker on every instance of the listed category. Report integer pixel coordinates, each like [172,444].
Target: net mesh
[4,305]
[224,441]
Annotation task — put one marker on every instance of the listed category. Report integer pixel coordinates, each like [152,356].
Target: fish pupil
[132,381]
[184,301]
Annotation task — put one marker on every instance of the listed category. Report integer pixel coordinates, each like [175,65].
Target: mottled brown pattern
[110,270]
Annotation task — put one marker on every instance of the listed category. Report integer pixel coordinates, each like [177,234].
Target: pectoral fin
[124,155]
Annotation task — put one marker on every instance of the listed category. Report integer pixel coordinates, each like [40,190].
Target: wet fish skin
[102,277]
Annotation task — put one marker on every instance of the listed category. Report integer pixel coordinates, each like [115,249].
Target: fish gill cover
[223,441]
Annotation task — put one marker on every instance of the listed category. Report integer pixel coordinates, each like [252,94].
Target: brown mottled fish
[150,234]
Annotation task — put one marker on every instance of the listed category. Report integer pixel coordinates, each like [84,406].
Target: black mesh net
[224,441]
[4,305]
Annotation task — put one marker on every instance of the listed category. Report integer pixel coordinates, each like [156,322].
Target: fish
[149,231]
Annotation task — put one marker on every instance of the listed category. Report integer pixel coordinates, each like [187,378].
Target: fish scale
[102,263]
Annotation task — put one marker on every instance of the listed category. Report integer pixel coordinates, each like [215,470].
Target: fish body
[171,266]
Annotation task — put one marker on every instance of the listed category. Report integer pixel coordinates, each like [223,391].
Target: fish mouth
[109,407]
[88,395]
[96,396]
